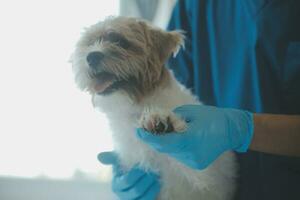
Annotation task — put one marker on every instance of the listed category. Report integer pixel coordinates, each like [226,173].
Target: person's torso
[246,55]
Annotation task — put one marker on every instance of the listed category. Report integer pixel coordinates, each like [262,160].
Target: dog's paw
[160,122]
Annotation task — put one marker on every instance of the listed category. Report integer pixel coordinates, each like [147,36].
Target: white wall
[48,127]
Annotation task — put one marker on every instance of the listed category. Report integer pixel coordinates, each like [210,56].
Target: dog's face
[123,54]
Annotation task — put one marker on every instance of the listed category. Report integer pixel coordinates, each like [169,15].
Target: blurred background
[49,133]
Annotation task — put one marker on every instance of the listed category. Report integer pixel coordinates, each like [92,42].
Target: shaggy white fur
[179,182]
[125,76]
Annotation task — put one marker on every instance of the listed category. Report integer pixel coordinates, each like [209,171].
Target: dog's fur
[134,56]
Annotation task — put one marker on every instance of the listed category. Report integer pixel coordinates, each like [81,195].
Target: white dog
[121,62]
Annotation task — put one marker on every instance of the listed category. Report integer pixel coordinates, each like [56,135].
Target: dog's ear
[167,43]
[164,43]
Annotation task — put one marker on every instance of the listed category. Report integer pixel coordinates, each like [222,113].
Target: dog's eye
[118,39]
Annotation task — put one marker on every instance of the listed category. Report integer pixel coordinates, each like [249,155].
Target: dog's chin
[104,83]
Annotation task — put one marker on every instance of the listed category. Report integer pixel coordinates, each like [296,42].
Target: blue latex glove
[210,132]
[135,184]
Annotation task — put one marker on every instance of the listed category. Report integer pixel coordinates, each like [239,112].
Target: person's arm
[276,134]
[211,131]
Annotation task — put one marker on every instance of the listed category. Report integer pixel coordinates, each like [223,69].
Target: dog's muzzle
[93,59]
[103,81]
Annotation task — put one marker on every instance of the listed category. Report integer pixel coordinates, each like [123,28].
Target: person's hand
[210,132]
[133,184]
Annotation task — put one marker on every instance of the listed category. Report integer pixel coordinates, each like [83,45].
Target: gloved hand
[135,184]
[210,132]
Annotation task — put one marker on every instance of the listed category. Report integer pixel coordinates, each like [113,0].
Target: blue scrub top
[245,54]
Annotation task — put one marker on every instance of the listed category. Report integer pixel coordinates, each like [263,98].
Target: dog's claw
[158,123]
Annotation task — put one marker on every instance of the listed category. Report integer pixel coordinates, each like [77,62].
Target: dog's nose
[94,58]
